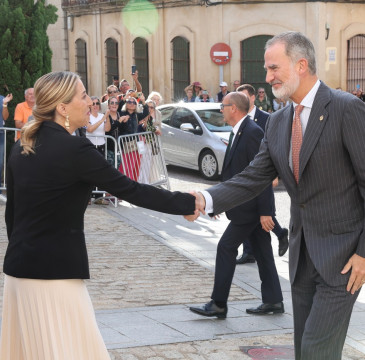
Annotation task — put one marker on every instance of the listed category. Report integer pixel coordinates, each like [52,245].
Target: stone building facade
[170,41]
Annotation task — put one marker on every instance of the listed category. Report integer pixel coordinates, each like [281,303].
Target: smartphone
[358,86]
[133,69]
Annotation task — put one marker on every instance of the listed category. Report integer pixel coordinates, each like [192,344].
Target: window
[252,62]
[356,62]
[81,61]
[184,116]
[111,60]
[180,67]
[141,61]
[166,114]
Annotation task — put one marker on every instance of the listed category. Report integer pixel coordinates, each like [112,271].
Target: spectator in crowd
[124,84]
[4,114]
[204,97]
[196,86]
[153,120]
[116,81]
[111,90]
[113,120]
[97,126]
[262,101]
[47,311]
[131,122]
[360,94]
[189,96]
[131,118]
[156,97]
[125,90]
[224,91]
[280,104]
[23,111]
[236,84]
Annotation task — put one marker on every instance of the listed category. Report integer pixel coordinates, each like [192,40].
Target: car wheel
[208,165]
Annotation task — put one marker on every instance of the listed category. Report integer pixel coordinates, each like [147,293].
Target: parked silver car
[195,136]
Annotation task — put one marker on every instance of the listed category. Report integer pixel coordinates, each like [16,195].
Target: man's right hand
[199,201]
[199,206]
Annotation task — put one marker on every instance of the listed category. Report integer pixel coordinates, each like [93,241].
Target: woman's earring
[67,122]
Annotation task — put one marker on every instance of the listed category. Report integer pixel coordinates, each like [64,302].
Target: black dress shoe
[264,309]
[210,309]
[245,258]
[283,242]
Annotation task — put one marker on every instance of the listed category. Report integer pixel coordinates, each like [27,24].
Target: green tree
[25,54]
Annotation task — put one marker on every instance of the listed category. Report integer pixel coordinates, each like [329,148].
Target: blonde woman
[47,312]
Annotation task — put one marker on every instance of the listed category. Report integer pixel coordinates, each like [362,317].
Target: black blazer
[244,148]
[47,195]
[261,118]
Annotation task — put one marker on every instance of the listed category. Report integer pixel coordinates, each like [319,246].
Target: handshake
[199,206]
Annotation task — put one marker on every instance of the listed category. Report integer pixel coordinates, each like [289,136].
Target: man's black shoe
[211,309]
[264,309]
[283,242]
[245,258]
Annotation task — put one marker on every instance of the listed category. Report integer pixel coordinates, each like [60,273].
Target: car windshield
[213,120]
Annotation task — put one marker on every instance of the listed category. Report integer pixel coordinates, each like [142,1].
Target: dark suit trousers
[226,261]
[321,313]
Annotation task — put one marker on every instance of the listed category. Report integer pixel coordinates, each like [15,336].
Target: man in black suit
[260,117]
[252,219]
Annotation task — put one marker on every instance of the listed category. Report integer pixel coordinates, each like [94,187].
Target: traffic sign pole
[221,54]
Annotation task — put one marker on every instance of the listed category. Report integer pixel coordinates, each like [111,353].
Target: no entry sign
[220,53]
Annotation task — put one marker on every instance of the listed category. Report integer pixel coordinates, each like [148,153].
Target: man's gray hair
[296,46]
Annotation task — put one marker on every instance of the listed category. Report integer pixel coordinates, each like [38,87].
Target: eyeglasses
[223,105]
[96,104]
[112,91]
[151,107]
[261,92]
[113,103]
[131,102]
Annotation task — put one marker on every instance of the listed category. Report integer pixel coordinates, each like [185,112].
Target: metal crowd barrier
[4,131]
[142,159]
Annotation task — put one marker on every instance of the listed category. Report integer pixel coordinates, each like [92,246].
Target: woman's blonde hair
[49,90]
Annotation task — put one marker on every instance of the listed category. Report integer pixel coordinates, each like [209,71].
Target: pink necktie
[296,140]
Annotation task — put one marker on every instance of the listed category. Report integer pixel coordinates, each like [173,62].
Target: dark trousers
[277,230]
[226,261]
[321,313]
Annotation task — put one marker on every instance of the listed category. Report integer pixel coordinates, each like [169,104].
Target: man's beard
[287,89]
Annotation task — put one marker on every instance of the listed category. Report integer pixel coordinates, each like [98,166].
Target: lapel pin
[321,118]
[256,120]
[239,134]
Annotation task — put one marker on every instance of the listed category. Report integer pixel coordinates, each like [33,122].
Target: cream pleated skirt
[49,320]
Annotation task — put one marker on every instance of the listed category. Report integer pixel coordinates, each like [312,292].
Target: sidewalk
[147,268]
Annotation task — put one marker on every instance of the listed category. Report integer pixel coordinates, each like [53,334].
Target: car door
[167,130]
[183,144]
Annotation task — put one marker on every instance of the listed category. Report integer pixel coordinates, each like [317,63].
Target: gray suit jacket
[327,205]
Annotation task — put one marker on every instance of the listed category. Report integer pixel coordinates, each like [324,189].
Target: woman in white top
[95,131]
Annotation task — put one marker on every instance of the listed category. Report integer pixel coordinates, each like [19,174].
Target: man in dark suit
[324,174]
[252,219]
[260,117]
